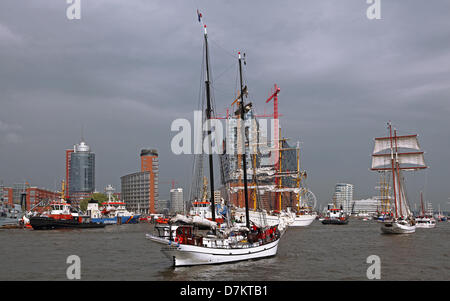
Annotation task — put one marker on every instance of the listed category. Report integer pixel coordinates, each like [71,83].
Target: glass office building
[82,170]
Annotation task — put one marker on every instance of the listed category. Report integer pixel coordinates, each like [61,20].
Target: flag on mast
[199,14]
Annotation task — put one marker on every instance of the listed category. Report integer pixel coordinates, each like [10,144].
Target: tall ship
[384,210]
[395,154]
[186,245]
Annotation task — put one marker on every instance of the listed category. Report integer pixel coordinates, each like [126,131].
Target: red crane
[173,182]
[277,147]
[275,100]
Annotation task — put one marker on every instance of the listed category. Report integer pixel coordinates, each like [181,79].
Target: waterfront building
[163,206]
[19,191]
[35,195]
[25,195]
[6,195]
[139,190]
[369,206]
[176,200]
[80,173]
[150,163]
[343,196]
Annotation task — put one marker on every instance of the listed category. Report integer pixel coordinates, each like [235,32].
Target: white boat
[185,245]
[425,219]
[386,157]
[303,219]
[425,222]
[398,226]
[185,248]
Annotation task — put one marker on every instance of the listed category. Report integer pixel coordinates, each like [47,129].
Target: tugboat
[335,216]
[62,215]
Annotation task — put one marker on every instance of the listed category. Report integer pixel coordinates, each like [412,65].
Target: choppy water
[317,252]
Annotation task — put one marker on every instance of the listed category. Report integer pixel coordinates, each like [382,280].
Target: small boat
[303,217]
[10,216]
[425,219]
[335,216]
[113,212]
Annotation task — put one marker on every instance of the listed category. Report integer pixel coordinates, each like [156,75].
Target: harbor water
[317,252]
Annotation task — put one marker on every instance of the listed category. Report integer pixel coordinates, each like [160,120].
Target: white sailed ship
[185,245]
[389,155]
[425,219]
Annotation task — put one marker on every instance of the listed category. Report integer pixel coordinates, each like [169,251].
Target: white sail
[382,144]
[384,160]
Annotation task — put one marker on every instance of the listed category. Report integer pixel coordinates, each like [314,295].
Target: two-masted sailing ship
[186,245]
[393,155]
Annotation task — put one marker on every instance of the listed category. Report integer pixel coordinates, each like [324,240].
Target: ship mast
[208,117]
[244,160]
[421,202]
[393,169]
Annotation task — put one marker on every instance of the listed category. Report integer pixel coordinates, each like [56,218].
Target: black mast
[244,160]
[208,116]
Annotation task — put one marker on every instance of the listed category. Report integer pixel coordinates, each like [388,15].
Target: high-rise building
[150,163]
[80,172]
[343,195]
[176,200]
[139,190]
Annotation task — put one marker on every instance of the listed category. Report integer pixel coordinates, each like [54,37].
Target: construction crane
[173,182]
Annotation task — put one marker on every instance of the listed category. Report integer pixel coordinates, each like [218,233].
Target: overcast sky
[127,69]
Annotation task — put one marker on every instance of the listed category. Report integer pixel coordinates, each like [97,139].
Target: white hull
[189,255]
[396,228]
[425,225]
[303,220]
[270,220]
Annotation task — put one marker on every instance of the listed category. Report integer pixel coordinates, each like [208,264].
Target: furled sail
[402,206]
[384,143]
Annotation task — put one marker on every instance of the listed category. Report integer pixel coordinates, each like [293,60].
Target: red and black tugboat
[61,215]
